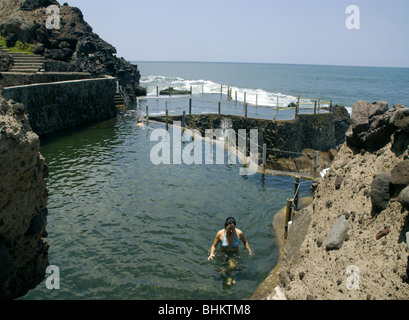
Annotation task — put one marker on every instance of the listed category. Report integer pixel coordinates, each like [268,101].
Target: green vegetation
[18,47]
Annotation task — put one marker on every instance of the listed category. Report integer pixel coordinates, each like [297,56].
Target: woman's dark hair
[230,220]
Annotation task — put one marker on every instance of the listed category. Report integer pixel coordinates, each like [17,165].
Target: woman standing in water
[229,239]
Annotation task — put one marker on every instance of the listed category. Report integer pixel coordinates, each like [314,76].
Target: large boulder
[400,119]
[370,125]
[380,195]
[399,178]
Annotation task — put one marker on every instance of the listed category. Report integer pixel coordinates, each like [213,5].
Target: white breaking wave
[251,96]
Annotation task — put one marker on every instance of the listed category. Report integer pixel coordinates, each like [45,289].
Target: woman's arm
[213,248]
[246,243]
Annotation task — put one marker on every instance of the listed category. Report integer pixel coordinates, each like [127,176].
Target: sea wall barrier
[284,146]
[56,106]
[11,79]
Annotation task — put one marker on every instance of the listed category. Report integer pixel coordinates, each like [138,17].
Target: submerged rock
[171,91]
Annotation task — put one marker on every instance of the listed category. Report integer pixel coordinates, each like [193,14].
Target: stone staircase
[24,62]
[119,102]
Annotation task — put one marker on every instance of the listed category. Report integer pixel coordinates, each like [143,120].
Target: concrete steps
[119,102]
[23,62]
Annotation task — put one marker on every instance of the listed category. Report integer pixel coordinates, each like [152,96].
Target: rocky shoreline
[74,47]
[23,201]
[351,242]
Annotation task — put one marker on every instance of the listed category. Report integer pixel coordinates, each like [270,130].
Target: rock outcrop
[71,48]
[23,200]
[368,174]
[371,126]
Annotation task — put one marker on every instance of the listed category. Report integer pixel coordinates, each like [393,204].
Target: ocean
[343,85]
[121,227]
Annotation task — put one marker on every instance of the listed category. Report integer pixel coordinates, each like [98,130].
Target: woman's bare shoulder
[239,233]
[220,232]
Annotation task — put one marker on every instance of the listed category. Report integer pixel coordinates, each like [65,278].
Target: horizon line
[278,63]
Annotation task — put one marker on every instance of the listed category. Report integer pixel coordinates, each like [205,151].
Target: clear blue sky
[270,31]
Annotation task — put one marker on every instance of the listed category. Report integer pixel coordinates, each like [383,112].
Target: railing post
[245,110]
[219,108]
[190,106]
[256,100]
[157,91]
[147,114]
[287,217]
[264,157]
[235,96]
[296,193]
[184,119]
[315,107]
[297,107]
[167,118]
[315,163]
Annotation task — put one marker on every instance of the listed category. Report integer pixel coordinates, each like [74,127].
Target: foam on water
[251,96]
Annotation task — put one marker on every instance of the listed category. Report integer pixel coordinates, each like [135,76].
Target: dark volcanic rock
[370,129]
[399,178]
[342,121]
[72,48]
[404,198]
[380,193]
[29,5]
[11,40]
[400,119]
